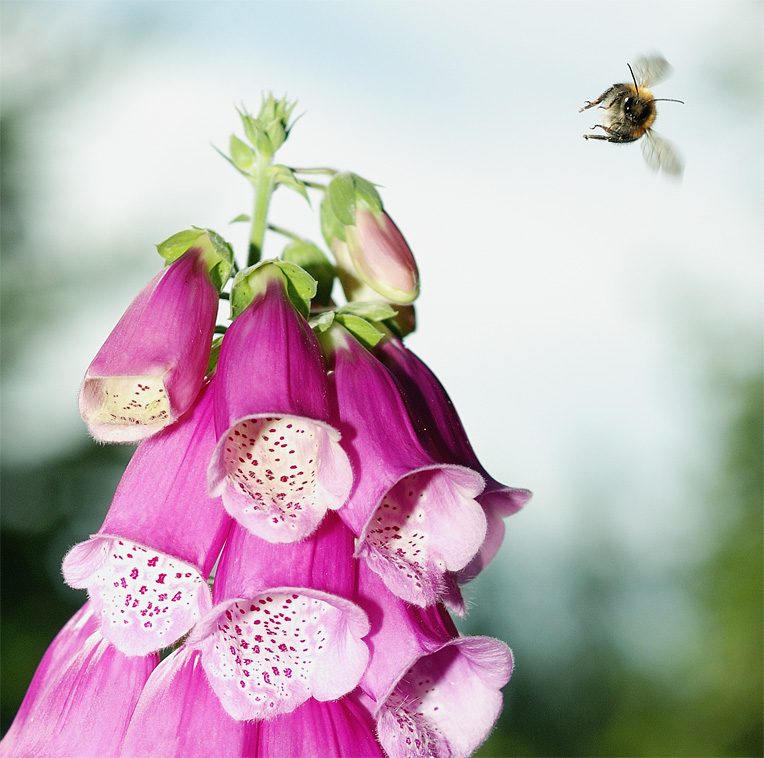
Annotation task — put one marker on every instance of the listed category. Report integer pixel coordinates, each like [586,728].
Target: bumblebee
[630,113]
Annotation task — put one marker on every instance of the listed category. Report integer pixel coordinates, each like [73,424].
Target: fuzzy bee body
[630,111]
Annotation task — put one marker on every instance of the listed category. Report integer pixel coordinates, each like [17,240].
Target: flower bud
[373,258]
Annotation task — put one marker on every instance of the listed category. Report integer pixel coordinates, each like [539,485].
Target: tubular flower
[283,629]
[415,517]
[278,463]
[81,698]
[146,570]
[440,429]
[152,365]
[432,693]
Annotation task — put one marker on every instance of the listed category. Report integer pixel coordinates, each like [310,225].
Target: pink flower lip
[145,599]
[278,475]
[409,539]
[267,655]
[447,702]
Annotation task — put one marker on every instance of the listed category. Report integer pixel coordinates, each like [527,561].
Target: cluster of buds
[275,573]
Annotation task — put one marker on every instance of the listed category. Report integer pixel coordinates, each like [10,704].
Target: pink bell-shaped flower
[441,431]
[432,692]
[283,628]
[278,463]
[152,365]
[415,517]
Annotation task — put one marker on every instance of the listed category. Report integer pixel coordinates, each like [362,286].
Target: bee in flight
[630,113]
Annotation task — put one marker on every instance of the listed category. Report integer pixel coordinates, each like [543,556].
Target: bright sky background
[571,299]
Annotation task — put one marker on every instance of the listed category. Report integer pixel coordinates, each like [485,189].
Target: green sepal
[366,196]
[341,198]
[240,217]
[331,227]
[212,363]
[322,321]
[218,254]
[250,282]
[347,192]
[284,175]
[365,332]
[369,310]
[312,259]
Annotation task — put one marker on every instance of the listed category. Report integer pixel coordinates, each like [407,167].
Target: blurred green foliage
[712,705]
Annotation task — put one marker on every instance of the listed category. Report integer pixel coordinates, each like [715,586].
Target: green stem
[264,186]
[320,170]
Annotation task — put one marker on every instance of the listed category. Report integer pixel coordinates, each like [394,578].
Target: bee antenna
[667,100]
[634,78]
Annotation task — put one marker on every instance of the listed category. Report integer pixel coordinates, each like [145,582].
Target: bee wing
[651,69]
[660,154]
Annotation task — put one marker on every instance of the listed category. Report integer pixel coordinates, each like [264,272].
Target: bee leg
[597,136]
[590,104]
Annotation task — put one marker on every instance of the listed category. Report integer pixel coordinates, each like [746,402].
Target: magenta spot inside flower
[131,589]
[398,531]
[272,463]
[258,648]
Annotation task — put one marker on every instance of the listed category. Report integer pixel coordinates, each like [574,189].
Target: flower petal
[279,476]
[81,697]
[179,716]
[426,524]
[448,701]
[340,729]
